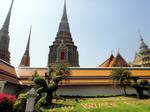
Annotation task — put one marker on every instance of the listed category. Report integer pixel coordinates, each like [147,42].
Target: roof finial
[5,27]
[141,37]
[118,52]
[64,17]
[28,44]
[111,52]
[143,46]
[64,25]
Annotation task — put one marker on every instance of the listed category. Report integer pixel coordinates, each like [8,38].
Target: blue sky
[97,26]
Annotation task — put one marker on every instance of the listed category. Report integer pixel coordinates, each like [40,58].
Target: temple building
[142,57]
[81,81]
[4,37]
[63,49]
[117,61]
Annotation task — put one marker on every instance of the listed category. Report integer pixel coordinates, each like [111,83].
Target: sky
[98,28]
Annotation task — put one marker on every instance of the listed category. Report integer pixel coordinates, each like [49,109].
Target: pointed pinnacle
[64,17]
[28,44]
[64,25]
[5,27]
[111,52]
[141,37]
[118,52]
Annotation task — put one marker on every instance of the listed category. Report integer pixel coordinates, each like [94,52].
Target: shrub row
[97,96]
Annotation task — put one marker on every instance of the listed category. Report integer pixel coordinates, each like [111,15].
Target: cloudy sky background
[97,26]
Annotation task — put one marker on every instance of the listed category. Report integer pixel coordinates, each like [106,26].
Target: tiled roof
[117,61]
[107,62]
[78,76]
[29,71]
[8,73]
[83,76]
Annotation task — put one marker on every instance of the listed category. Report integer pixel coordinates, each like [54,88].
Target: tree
[121,78]
[34,76]
[49,85]
[20,103]
[140,87]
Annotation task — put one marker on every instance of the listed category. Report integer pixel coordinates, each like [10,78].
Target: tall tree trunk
[49,98]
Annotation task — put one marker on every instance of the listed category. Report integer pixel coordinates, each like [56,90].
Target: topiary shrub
[40,81]
[6,102]
[20,103]
[38,106]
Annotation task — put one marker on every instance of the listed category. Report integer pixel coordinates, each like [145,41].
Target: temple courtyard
[107,104]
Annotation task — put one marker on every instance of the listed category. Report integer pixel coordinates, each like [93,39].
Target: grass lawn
[111,104]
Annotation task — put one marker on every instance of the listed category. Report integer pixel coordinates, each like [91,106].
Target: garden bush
[20,103]
[6,102]
[38,106]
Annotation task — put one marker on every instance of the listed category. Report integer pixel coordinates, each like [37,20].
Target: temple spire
[141,37]
[28,44]
[143,46]
[5,27]
[25,61]
[118,51]
[64,17]
[63,50]
[64,25]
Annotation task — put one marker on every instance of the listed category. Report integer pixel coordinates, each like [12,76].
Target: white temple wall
[92,90]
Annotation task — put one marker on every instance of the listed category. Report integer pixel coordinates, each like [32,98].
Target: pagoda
[4,37]
[63,49]
[142,57]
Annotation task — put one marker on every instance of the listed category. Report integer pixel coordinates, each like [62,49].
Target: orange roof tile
[83,76]
[8,73]
[107,62]
[117,61]
[29,71]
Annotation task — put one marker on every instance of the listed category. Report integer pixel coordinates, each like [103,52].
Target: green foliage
[20,103]
[40,81]
[140,87]
[144,82]
[121,75]
[40,90]
[58,78]
[52,86]
[134,78]
[50,83]
[108,104]
[38,106]
[121,78]
[34,76]
[96,96]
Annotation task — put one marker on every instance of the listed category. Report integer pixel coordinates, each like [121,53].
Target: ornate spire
[28,44]
[25,61]
[64,25]
[5,27]
[64,17]
[63,49]
[143,46]
[118,51]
